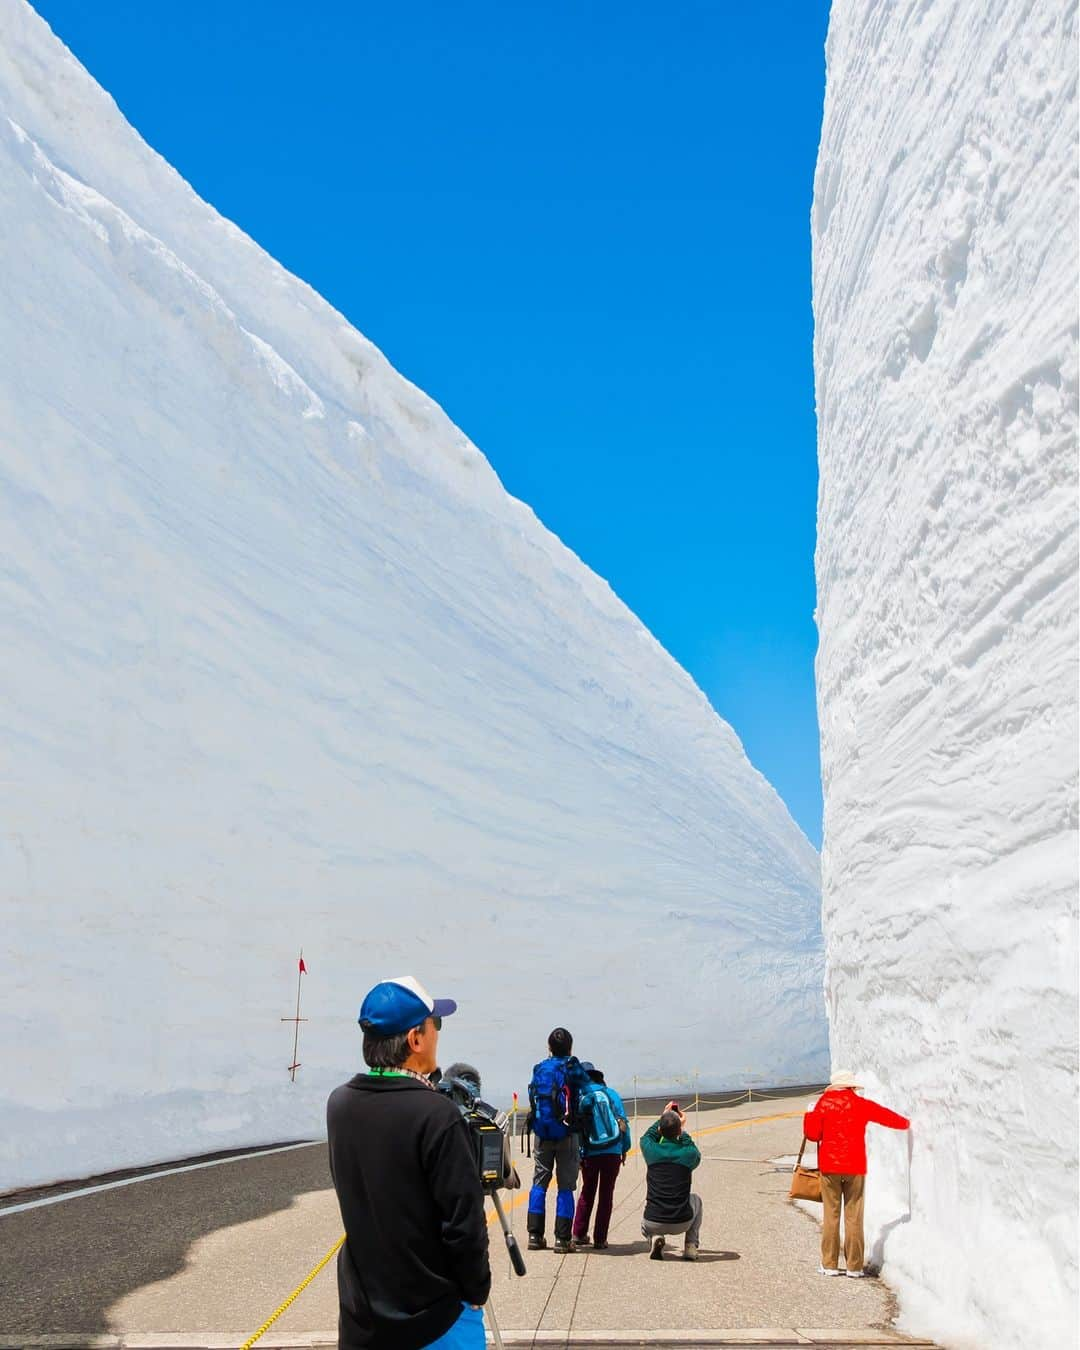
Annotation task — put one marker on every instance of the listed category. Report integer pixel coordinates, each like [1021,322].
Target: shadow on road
[671,1254]
[65,1265]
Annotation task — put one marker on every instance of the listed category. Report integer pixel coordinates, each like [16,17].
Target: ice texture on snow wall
[285,665]
[945,273]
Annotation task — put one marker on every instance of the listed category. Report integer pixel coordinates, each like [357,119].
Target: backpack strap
[525,1137]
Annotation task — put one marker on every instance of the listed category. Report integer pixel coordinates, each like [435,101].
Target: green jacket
[656,1149]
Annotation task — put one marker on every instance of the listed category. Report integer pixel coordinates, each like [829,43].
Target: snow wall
[945,274]
[285,665]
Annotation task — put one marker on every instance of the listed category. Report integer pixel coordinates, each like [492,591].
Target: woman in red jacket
[837,1124]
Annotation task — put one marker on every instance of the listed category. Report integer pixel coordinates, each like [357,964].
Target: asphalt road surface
[216,1250]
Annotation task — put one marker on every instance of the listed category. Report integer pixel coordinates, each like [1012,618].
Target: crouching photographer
[413,1270]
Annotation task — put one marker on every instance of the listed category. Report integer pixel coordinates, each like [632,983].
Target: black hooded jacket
[416,1237]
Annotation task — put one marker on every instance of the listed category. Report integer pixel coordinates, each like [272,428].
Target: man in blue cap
[413,1270]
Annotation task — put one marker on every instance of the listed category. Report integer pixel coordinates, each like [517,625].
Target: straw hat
[843,1078]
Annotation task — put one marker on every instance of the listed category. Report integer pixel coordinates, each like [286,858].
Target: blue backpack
[550,1100]
[600,1124]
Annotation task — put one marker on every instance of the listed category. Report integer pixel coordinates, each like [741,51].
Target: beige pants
[835,1185]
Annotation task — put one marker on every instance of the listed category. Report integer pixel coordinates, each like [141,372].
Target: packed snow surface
[945,274]
[286,666]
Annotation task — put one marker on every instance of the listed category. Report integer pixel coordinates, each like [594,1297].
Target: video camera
[488,1130]
[487,1127]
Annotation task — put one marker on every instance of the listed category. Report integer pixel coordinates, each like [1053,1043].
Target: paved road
[218,1250]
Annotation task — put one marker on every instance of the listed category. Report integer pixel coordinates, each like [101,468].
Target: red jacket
[837,1124]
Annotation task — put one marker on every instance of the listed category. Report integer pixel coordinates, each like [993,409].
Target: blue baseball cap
[395,1006]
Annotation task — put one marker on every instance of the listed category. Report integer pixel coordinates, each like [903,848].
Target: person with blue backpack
[554,1094]
[605,1142]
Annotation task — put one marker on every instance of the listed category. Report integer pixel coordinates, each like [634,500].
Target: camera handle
[516,1258]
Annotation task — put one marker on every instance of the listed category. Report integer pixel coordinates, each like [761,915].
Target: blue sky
[584,230]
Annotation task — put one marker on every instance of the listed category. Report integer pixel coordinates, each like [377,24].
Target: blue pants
[561,1157]
[467,1333]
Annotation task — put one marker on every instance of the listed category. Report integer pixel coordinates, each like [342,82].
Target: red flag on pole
[303,968]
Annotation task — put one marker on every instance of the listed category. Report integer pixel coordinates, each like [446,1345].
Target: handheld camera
[487,1129]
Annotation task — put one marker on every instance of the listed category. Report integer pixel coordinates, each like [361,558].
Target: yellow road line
[514,1204]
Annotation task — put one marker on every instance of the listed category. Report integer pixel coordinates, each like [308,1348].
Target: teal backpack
[600,1125]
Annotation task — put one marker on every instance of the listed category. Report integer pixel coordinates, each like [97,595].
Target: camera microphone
[465,1073]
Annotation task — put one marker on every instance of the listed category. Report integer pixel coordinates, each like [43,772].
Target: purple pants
[602,1171]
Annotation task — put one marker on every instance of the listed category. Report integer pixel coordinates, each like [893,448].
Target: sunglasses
[435,1021]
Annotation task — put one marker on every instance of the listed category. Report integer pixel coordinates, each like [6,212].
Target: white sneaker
[829,1270]
[856,1274]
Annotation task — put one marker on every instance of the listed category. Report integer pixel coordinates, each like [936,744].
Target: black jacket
[416,1237]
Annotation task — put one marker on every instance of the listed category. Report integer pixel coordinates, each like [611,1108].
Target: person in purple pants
[605,1142]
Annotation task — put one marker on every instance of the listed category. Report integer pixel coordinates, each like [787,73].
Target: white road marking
[152,1176]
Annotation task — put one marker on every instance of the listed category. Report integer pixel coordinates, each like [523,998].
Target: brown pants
[835,1185]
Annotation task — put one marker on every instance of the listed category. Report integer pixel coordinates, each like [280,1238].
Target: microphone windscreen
[466,1073]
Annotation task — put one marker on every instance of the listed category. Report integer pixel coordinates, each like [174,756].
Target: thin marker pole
[510,1262]
[300,972]
[296,1028]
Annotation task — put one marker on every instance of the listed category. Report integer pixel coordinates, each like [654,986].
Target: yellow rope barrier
[293,1296]
[301,1287]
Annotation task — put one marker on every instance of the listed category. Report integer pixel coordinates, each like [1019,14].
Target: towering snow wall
[945,272]
[285,665]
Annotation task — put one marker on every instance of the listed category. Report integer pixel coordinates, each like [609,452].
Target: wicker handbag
[805,1181]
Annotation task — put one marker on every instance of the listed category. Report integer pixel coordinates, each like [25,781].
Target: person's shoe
[689,1251]
[857,1274]
[657,1253]
[562,1246]
[582,1241]
[537,1242]
[829,1270]
[600,1245]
